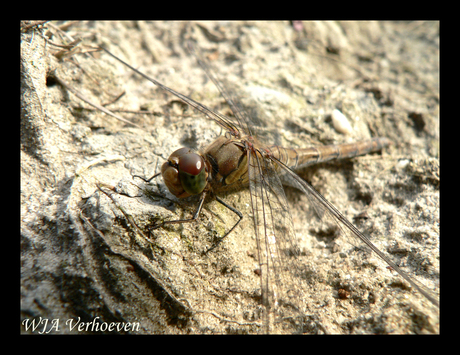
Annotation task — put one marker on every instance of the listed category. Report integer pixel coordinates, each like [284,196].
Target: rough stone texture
[88,254]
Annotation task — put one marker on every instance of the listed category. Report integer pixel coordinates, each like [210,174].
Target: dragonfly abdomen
[299,158]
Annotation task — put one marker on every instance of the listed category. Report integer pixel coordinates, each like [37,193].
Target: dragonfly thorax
[185,173]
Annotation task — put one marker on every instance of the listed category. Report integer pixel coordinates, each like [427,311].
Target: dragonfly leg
[238,213]
[197,213]
[146,180]
[193,219]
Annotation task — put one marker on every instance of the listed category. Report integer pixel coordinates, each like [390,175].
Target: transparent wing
[327,211]
[224,121]
[274,234]
[232,101]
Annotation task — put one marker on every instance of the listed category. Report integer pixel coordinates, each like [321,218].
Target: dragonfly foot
[156,226]
[216,244]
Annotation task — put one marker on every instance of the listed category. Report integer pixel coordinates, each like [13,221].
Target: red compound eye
[191,163]
[185,173]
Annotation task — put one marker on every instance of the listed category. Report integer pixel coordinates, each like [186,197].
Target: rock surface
[83,255]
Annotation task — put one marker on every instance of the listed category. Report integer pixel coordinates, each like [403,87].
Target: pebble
[402,164]
[340,122]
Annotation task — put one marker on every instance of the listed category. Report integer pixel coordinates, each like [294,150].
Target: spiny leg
[195,215]
[234,210]
[193,219]
[146,180]
[197,212]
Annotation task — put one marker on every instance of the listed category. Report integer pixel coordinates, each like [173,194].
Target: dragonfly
[239,159]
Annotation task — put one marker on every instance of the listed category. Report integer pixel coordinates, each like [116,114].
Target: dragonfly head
[185,173]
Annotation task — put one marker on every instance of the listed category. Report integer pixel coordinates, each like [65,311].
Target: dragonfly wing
[222,120]
[232,100]
[274,235]
[327,212]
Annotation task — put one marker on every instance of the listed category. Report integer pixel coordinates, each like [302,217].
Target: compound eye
[191,163]
[185,173]
[192,173]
